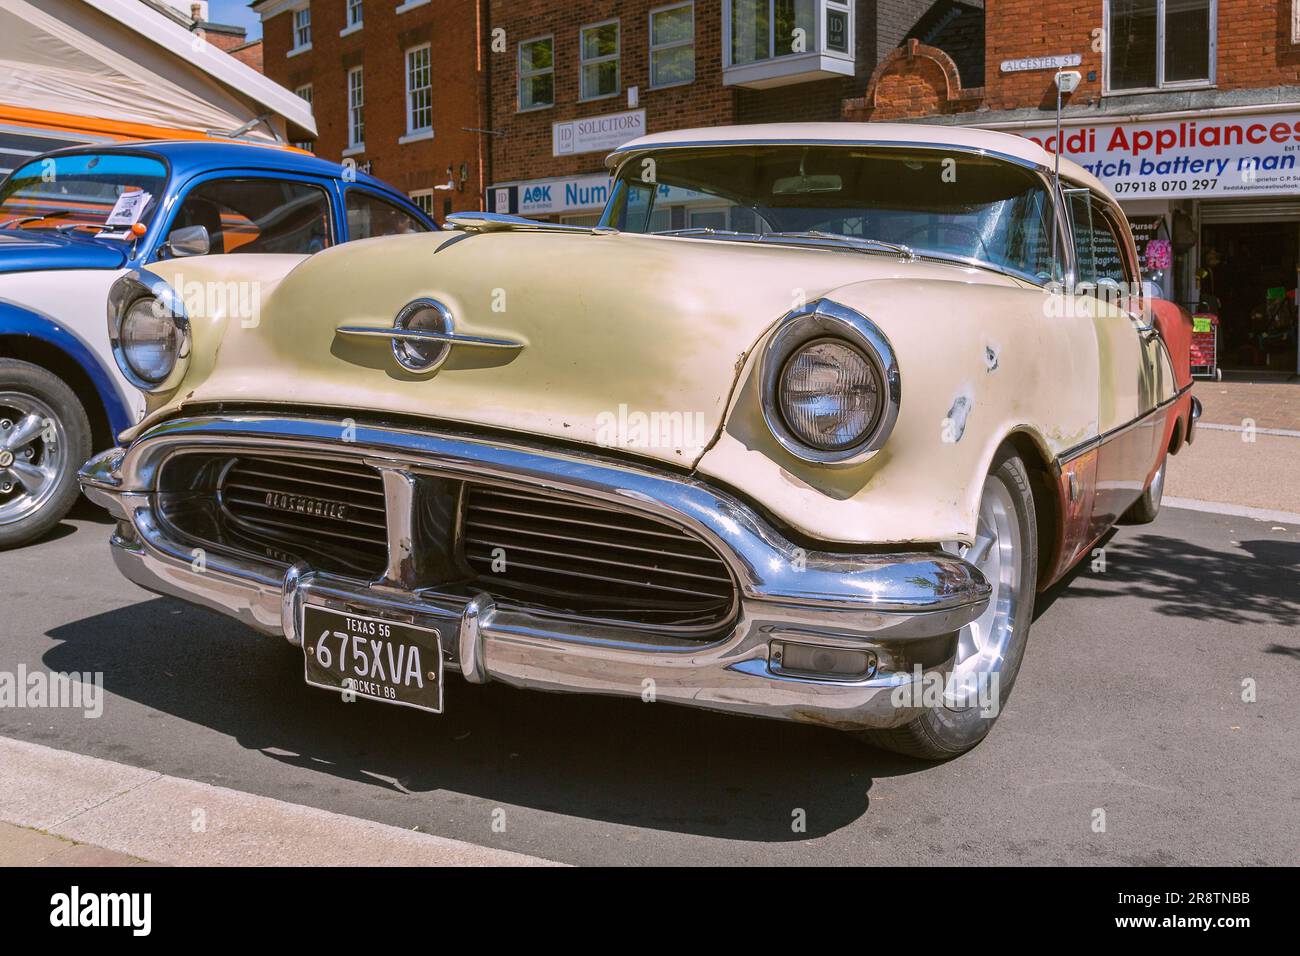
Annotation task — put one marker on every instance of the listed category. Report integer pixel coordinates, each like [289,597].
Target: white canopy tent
[111,65]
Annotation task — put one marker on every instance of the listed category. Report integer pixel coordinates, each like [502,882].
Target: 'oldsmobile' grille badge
[300,504]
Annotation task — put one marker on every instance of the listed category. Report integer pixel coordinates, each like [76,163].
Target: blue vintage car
[74,220]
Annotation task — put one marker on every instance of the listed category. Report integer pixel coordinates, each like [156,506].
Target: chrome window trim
[826,319]
[124,293]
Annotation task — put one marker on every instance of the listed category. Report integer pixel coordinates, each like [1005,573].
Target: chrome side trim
[1193,419]
[1075,451]
[454,338]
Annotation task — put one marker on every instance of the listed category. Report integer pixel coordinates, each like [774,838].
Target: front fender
[979,360]
[17,320]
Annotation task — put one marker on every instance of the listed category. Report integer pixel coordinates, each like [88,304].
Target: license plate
[373,658]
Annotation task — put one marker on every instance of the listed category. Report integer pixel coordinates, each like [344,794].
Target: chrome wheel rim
[33,454]
[996,551]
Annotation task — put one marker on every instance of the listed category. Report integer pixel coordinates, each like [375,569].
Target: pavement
[1154,722]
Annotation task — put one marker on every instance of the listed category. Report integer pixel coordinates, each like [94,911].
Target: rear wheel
[989,649]
[1145,509]
[44,439]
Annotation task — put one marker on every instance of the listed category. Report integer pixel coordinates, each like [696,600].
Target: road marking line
[182,822]
[1238,511]
[1215,426]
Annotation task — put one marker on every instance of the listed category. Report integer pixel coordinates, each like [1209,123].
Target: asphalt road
[1129,702]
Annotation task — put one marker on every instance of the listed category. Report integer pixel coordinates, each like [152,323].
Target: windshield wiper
[858,242]
[706,231]
[22,220]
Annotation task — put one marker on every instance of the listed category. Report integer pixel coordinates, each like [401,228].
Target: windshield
[77,192]
[935,202]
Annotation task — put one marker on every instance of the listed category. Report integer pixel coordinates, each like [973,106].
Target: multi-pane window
[1160,43]
[424,199]
[599,49]
[672,45]
[537,73]
[419,91]
[763,29]
[302,27]
[354,13]
[304,93]
[356,108]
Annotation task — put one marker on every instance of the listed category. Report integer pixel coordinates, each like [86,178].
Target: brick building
[1189,110]
[569,81]
[398,87]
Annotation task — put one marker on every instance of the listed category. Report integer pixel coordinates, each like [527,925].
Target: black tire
[942,733]
[1145,509]
[27,379]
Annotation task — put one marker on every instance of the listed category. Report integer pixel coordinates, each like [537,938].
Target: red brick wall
[523,141]
[1254,51]
[451,28]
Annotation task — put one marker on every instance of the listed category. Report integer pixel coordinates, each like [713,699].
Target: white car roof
[916,134]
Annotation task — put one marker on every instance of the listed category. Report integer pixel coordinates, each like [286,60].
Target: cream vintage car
[810,461]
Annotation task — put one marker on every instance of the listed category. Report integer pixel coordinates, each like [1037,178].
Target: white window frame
[1295,21]
[416,195]
[306,93]
[521,75]
[354,16]
[410,5]
[414,132]
[299,44]
[816,42]
[356,111]
[1107,90]
[583,62]
[676,44]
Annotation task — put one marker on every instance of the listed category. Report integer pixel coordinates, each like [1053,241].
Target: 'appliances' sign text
[1229,156]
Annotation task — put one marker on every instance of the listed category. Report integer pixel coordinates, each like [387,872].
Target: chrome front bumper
[902,607]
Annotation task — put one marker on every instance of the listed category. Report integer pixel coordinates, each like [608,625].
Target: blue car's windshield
[76,192]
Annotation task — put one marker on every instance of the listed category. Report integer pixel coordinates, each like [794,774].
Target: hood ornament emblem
[423,335]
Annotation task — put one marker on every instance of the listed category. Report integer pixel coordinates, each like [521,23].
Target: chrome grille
[588,558]
[327,513]
[542,552]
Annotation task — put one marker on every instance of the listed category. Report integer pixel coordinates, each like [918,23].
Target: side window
[258,216]
[1098,248]
[368,215]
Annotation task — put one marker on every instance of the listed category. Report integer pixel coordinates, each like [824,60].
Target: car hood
[24,251]
[627,341]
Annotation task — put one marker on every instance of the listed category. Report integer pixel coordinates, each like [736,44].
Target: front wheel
[989,649]
[44,439]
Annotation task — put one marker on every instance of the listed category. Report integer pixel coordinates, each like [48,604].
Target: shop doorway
[1250,268]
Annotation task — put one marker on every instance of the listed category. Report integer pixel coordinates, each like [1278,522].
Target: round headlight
[830,395]
[422,315]
[150,339]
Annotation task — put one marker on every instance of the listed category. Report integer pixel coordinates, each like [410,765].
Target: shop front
[579,200]
[1214,201]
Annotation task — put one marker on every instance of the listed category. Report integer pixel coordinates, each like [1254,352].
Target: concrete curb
[181,822]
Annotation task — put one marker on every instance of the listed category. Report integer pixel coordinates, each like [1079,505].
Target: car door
[1131,376]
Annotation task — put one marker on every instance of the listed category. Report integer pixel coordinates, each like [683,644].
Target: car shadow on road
[1181,579]
[615,760]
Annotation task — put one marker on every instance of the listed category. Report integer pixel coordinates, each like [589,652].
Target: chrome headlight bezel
[823,319]
[124,294]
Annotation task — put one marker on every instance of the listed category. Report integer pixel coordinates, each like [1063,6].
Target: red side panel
[1076,489]
[1175,326]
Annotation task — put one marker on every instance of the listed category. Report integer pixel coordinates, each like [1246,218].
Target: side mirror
[189,241]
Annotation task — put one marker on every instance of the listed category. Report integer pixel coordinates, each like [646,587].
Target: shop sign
[1233,156]
[596,134]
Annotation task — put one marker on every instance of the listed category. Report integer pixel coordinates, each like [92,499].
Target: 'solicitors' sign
[1233,156]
